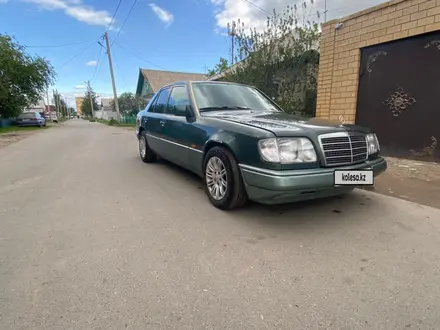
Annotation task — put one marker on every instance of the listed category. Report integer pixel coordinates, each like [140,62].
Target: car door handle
[162,122]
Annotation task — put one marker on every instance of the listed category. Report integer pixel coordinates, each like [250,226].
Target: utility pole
[55,101]
[90,98]
[67,107]
[325,11]
[48,103]
[115,95]
[232,32]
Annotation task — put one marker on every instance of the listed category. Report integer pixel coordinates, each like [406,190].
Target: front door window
[179,96]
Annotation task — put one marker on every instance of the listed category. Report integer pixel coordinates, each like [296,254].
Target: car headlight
[287,150]
[372,144]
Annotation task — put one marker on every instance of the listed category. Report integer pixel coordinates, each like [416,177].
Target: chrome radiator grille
[343,148]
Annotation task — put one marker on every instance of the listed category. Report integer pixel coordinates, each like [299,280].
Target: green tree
[60,103]
[282,59]
[221,66]
[86,106]
[130,104]
[23,78]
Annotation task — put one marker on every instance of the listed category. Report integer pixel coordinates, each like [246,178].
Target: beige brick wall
[340,49]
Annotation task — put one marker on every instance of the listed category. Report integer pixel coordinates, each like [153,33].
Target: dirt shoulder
[411,180]
[9,138]
[14,134]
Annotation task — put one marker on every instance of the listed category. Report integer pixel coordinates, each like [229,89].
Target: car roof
[187,82]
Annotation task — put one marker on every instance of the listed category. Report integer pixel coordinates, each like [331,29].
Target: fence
[6,122]
[128,120]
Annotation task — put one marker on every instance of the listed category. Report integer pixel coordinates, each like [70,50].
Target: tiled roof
[158,79]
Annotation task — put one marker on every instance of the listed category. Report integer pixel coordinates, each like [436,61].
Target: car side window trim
[165,89]
[152,102]
[153,105]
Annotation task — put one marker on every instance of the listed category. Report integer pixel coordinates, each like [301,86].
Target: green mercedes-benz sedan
[245,146]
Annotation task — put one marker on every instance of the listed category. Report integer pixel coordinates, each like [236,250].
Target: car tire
[147,155]
[234,195]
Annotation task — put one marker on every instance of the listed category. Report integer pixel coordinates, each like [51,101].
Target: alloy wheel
[216,178]
[142,146]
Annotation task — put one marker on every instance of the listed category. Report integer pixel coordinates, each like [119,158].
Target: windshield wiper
[226,107]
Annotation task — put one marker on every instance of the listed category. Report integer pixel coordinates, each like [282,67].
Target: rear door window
[162,100]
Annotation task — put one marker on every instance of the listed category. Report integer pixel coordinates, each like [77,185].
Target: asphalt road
[92,238]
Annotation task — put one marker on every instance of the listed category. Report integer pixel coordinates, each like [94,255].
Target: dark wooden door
[399,95]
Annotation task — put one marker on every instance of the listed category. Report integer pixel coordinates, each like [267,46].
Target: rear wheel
[223,181]
[147,155]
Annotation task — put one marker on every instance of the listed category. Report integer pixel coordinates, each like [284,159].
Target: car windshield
[27,115]
[215,96]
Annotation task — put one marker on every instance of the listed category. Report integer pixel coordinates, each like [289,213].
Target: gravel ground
[411,180]
[92,238]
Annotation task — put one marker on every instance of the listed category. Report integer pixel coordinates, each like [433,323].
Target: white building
[106,110]
[40,106]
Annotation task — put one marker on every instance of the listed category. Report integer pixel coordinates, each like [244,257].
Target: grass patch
[113,122]
[125,125]
[12,129]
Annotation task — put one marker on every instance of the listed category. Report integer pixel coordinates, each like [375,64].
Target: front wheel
[223,181]
[147,155]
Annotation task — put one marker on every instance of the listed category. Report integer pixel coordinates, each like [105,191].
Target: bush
[92,120]
[112,122]
[281,59]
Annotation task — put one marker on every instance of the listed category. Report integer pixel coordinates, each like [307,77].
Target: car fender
[224,139]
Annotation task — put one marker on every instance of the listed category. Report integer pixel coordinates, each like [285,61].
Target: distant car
[53,117]
[31,119]
[245,146]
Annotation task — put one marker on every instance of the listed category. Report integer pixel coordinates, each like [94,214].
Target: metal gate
[399,95]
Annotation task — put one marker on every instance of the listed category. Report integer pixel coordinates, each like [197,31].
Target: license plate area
[354,177]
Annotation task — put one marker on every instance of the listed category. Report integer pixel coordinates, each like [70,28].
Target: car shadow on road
[347,208]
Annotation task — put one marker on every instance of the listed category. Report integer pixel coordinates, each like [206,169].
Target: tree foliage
[89,99]
[281,59]
[59,101]
[221,66]
[130,104]
[23,78]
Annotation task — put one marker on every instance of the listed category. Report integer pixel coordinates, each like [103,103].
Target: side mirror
[182,110]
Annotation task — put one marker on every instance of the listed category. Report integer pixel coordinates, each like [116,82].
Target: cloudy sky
[176,35]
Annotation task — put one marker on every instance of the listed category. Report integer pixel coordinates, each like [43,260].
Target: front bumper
[275,187]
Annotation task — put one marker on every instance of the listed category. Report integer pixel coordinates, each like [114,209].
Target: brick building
[380,68]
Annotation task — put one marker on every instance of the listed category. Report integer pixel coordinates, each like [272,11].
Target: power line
[137,55]
[114,14]
[57,46]
[75,56]
[97,64]
[258,7]
[119,68]
[325,9]
[125,21]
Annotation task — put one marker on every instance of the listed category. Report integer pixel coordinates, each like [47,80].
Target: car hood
[282,124]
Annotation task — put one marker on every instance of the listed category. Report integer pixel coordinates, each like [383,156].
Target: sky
[175,35]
